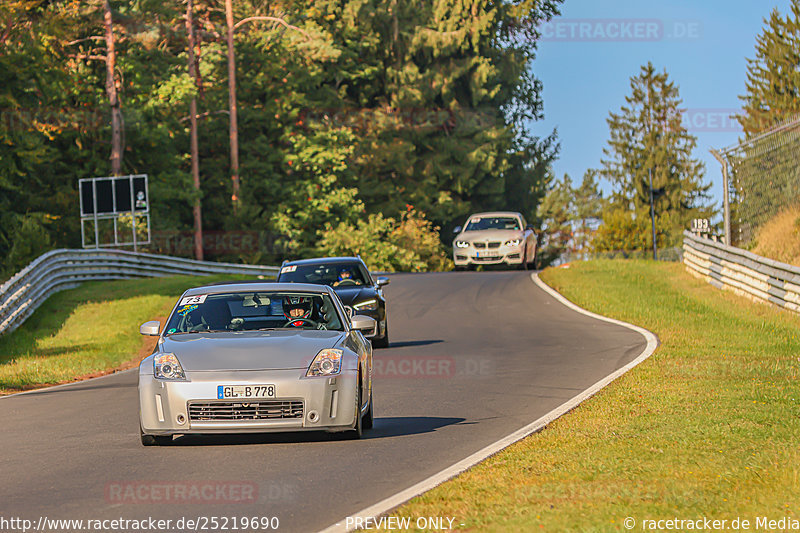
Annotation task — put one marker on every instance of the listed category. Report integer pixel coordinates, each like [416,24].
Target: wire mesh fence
[764,179]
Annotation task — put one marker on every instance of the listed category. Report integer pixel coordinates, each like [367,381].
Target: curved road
[474,357]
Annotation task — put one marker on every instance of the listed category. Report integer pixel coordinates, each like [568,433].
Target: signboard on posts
[115,211]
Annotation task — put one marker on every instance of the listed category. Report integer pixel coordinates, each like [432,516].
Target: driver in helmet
[346,274]
[296,308]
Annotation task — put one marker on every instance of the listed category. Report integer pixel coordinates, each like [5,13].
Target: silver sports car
[257,357]
[494,238]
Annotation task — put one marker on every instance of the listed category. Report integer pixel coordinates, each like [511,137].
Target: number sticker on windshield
[190,300]
[290,268]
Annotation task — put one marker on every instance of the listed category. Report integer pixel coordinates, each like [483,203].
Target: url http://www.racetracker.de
[177,525]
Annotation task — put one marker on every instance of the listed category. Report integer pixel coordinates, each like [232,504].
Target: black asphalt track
[474,356]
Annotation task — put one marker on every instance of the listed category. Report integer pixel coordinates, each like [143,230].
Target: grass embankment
[86,331]
[708,426]
[779,238]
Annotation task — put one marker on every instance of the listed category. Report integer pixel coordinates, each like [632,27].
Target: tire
[367,422]
[154,440]
[358,430]
[384,341]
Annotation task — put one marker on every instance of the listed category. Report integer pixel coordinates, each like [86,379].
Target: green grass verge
[708,426]
[93,328]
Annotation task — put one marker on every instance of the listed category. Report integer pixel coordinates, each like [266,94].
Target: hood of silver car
[250,350]
[491,235]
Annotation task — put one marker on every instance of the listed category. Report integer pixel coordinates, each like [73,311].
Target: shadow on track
[403,344]
[384,428]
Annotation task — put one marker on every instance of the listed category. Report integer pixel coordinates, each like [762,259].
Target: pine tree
[589,203]
[557,213]
[648,140]
[773,77]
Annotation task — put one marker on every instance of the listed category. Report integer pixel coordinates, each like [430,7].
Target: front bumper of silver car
[300,403]
[510,255]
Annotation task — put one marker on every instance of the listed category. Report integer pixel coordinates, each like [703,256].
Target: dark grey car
[353,283]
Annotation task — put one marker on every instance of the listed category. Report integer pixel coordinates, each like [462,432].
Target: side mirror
[381,281]
[530,227]
[150,328]
[457,230]
[365,324]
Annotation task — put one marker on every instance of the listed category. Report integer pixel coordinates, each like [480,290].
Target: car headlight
[328,362]
[462,244]
[167,366]
[512,242]
[369,305]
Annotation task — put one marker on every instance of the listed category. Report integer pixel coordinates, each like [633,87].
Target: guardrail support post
[725,202]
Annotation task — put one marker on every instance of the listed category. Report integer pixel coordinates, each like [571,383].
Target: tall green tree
[589,203]
[557,215]
[647,140]
[773,76]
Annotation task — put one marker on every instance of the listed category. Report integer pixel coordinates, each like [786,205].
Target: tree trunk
[111,92]
[196,209]
[234,128]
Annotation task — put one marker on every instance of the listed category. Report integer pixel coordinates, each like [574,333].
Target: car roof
[249,286]
[497,214]
[324,261]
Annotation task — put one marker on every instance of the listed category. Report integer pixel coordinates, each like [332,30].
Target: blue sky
[703,44]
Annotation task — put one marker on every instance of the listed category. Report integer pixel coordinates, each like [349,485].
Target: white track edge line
[450,472]
[70,384]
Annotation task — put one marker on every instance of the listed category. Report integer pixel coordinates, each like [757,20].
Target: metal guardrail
[744,272]
[64,269]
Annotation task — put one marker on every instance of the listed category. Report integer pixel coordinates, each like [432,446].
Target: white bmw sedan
[494,238]
[257,357]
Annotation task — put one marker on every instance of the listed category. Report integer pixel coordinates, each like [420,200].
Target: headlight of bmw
[167,366]
[328,362]
[462,244]
[369,305]
[512,242]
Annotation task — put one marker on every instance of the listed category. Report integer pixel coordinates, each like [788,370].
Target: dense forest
[352,120]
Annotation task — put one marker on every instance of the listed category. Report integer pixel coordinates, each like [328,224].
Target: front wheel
[358,429]
[382,342]
[154,440]
[368,421]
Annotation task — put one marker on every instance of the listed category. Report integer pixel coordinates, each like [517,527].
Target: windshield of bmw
[251,311]
[482,223]
[332,274]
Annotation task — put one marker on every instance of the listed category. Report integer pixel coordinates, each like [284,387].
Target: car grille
[255,410]
[484,245]
[494,245]
[479,245]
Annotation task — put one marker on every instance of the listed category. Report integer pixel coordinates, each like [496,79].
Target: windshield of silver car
[254,311]
[482,223]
